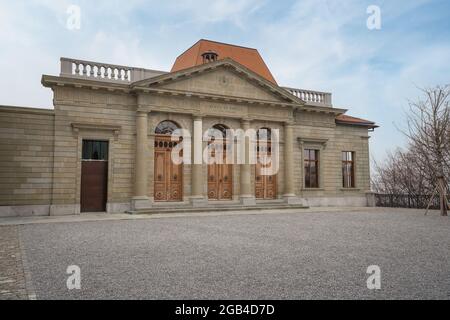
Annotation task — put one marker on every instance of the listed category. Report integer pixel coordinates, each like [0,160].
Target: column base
[198,201]
[294,200]
[248,200]
[138,203]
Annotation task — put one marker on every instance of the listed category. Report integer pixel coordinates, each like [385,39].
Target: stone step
[217,208]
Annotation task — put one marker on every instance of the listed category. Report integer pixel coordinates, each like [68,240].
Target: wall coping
[18,109]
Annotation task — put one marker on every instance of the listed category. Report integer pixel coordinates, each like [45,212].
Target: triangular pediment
[225,78]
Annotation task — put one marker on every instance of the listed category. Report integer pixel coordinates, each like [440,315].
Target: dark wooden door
[94,176]
[168,175]
[220,180]
[265,185]
[94,181]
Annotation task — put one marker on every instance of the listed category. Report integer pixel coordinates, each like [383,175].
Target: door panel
[265,186]
[220,180]
[175,185]
[213,182]
[225,181]
[168,176]
[94,180]
[160,176]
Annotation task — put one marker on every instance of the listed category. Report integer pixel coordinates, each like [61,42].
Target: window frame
[104,156]
[307,169]
[345,172]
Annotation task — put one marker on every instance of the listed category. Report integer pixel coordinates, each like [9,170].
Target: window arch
[264,134]
[220,127]
[166,127]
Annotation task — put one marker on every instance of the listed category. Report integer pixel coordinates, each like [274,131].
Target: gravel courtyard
[304,255]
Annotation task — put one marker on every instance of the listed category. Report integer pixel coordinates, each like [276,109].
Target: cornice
[56,81]
[211,97]
[224,63]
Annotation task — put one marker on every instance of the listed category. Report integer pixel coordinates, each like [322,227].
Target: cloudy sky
[316,44]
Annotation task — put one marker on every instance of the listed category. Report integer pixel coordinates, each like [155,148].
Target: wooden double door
[168,175]
[265,185]
[220,178]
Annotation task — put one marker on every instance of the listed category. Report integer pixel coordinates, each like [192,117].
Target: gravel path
[285,256]
[12,270]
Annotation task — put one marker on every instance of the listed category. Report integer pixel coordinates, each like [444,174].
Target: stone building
[105,146]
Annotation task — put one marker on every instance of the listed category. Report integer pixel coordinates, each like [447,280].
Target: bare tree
[428,132]
[424,167]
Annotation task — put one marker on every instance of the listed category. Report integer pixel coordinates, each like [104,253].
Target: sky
[322,45]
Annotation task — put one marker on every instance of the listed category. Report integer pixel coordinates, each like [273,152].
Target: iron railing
[407,201]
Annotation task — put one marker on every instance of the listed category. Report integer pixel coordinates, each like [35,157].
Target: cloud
[205,11]
[313,44]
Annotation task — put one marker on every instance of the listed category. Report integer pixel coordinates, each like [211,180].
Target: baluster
[77,68]
[91,71]
[84,70]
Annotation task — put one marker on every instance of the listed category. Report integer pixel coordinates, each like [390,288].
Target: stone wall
[318,132]
[96,115]
[26,161]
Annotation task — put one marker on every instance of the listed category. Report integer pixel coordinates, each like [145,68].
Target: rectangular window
[95,150]
[348,169]
[311,158]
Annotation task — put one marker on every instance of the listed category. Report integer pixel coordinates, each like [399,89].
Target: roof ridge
[228,44]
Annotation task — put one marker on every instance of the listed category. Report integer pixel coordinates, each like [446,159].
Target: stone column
[140,199]
[197,196]
[289,189]
[247,196]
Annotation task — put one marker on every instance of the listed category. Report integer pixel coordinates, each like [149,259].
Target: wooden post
[443,195]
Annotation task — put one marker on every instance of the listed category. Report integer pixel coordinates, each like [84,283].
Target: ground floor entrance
[94,176]
[265,185]
[220,182]
[168,174]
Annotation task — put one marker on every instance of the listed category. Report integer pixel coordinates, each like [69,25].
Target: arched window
[264,134]
[166,128]
[220,127]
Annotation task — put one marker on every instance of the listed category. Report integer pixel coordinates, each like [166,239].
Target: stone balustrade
[312,97]
[104,72]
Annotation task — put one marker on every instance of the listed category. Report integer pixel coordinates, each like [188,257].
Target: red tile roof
[345,119]
[248,57]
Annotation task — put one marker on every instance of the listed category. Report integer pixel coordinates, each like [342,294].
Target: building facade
[106,146]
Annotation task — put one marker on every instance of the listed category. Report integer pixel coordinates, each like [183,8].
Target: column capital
[140,113]
[246,121]
[197,117]
[143,109]
[289,123]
